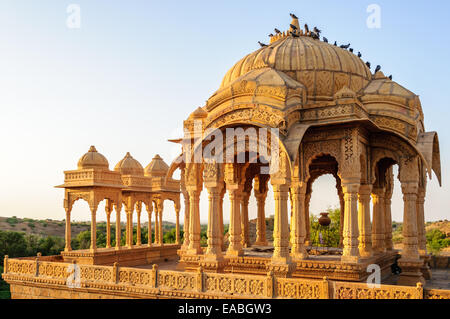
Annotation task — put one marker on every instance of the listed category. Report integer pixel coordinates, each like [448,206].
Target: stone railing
[345,290]
[302,288]
[151,283]
[242,286]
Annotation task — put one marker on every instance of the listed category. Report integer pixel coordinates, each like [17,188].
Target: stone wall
[42,279]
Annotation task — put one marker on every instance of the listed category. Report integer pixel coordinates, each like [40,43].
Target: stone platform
[256,261]
[136,255]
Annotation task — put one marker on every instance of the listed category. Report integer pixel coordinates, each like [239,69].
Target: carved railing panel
[345,290]
[238,285]
[135,277]
[53,270]
[96,273]
[26,267]
[301,289]
[176,280]
[436,294]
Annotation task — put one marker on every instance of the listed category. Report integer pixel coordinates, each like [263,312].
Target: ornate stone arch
[312,151]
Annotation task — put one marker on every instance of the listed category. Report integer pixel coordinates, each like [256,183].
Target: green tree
[436,241]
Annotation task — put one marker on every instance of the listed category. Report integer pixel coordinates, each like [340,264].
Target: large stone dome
[322,68]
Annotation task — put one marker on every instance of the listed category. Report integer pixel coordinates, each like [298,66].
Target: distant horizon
[126,78]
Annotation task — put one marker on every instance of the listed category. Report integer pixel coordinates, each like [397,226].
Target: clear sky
[134,70]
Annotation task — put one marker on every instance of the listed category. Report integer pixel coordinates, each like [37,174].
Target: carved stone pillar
[281,225]
[68,235]
[341,210]
[108,210]
[378,224]
[341,220]
[118,208]
[93,228]
[222,194]
[260,192]
[365,227]
[156,240]
[214,250]
[235,231]
[186,221]
[387,210]
[350,252]
[177,225]
[410,262]
[149,209]
[129,213]
[160,208]
[194,222]
[298,221]
[138,229]
[261,239]
[388,223]
[244,219]
[307,221]
[422,240]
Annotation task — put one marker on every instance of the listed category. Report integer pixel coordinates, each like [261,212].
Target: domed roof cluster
[126,166]
[322,68]
[157,167]
[129,166]
[284,82]
[93,159]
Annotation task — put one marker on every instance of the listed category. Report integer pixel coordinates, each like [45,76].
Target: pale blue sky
[135,70]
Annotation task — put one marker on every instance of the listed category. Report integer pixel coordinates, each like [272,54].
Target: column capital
[350,187]
[365,189]
[410,188]
[379,192]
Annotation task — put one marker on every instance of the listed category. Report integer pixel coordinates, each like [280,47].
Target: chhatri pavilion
[333,116]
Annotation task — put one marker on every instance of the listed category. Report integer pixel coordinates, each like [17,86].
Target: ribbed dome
[157,167]
[93,159]
[323,68]
[129,166]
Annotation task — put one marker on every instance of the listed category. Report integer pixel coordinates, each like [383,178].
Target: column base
[118,248]
[425,269]
[213,263]
[350,259]
[282,269]
[234,253]
[299,256]
[411,273]
[261,243]
[365,252]
[194,251]
[299,253]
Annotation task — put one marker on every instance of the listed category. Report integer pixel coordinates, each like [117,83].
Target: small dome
[157,167]
[129,166]
[93,159]
[199,113]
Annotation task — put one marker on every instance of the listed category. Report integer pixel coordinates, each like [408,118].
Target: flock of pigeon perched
[315,34]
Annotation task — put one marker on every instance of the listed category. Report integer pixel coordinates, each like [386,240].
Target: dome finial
[92,149]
